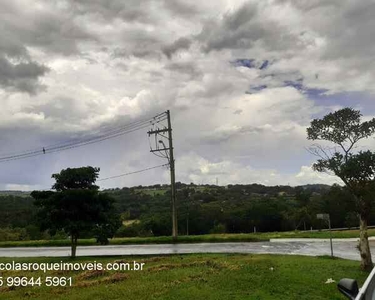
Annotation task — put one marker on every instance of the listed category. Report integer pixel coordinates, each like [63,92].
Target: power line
[110,133]
[101,130]
[67,147]
[130,173]
[106,132]
[121,175]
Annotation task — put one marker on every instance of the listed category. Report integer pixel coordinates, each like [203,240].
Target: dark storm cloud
[23,77]
[313,4]
[133,10]
[236,30]
[57,109]
[181,8]
[138,52]
[11,46]
[240,30]
[180,44]
[354,32]
[140,44]
[58,35]
[185,68]
[63,27]
[240,17]
[49,28]
[349,26]
[220,136]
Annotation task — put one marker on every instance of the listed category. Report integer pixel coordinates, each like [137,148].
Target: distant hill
[254,187]
[251,188]
[234,208]
[316,187]
[15,193]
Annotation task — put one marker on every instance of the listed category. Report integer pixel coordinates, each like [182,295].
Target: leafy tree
[76,206]
[339,203]
[344,129]
[77,178]
[106,230]
[302,196]
[109,220]
[158,224]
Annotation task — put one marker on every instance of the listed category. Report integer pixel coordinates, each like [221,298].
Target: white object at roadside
[330,280]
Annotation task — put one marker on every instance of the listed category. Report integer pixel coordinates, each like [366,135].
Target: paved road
[344,249]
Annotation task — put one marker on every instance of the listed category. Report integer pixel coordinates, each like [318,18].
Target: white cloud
[197,169]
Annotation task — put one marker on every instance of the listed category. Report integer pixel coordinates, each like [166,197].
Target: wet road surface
[343,249]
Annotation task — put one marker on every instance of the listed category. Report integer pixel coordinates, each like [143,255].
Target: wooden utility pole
[173,181]
[171,167]
[187,214]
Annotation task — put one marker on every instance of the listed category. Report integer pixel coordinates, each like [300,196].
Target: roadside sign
[322,216]
[326,217]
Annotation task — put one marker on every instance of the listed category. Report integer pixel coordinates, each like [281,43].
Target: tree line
[202,209]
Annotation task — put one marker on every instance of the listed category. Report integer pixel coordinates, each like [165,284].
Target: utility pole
[173,181]
[187,215]
[330,234]
[171,161]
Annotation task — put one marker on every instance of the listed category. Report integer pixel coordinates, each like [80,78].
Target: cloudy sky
[242,80]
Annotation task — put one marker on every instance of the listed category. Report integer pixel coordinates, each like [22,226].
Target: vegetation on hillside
[202,209]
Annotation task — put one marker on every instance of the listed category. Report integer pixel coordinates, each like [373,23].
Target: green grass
[322,234]
[204,276]
[207,238]
[143,240]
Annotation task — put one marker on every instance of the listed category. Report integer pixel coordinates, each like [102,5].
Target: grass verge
[203,276]
[209,238]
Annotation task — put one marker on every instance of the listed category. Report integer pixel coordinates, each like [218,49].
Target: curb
[371,238]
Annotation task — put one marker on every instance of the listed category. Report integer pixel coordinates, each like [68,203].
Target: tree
[345,130]
[76,206]
[77,178]
[110,220]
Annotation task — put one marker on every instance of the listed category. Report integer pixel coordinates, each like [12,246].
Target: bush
[13,234]
[219,228]
[134,230]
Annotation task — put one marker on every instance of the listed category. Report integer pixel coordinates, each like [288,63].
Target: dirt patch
[206,263]
[87,275]
[109,279]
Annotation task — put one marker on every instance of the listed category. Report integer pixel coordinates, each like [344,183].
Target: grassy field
[209,276]
[144,240]
[207,238]
[322,234]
